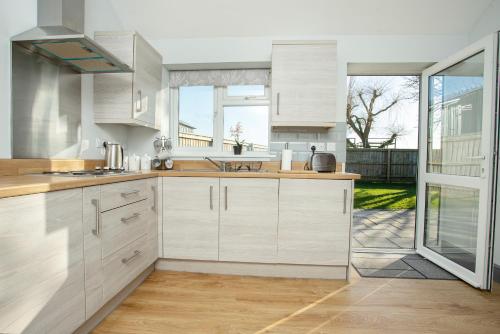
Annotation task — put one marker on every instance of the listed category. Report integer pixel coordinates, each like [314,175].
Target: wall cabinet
[129,98]
[314,222]
[248,220]
[41,263]
[191,218]
[304,82]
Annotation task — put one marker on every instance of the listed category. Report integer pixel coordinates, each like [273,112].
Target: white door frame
[479,278]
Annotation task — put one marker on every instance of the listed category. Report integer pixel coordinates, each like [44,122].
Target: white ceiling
[158,19]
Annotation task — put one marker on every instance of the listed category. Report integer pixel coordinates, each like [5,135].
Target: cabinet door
[191,218]
[41,263]
[248,220]
[154,204]
[147,81]
[92,241]
[304,84]
[314,222]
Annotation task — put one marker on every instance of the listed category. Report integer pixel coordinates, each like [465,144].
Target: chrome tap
[221,165]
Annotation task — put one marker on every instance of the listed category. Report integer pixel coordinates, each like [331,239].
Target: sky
[403,115]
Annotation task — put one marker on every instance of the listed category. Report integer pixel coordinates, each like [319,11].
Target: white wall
[15,17]
[488,23]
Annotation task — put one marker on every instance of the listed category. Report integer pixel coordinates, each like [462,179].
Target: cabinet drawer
[124,266]
[122,225]
[122,193]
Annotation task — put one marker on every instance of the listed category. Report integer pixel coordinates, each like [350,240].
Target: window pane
[254,125]
[196,116]
[246,90]
[455,114]
[451,219]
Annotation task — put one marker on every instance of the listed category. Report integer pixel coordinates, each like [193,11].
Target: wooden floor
[172,302]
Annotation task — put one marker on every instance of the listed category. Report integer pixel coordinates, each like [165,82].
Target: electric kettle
[113,156]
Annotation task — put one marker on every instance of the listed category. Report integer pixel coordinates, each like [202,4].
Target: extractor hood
[59,37]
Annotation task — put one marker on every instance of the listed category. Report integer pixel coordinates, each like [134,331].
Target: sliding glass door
[456,145]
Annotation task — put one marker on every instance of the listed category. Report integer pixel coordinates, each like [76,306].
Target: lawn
[380,195]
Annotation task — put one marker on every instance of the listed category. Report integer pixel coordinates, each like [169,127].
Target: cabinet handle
[345,201]
[130,193]
[138,106]
[225,198]
[154,198]
[211,197]
[97,230]
[125,220]
[277,103]
[127,260]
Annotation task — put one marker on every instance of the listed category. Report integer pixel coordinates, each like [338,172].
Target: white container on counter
[146,162]
[134,163]
[286,158]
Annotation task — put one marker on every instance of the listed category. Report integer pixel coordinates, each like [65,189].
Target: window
[210,120]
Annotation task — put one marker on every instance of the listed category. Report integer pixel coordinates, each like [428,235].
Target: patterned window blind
[220,78]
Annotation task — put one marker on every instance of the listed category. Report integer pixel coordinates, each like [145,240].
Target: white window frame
[221,100]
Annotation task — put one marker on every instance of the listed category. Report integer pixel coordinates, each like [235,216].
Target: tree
[364,104]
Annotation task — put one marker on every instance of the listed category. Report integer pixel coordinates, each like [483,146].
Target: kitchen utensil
[322,162]
[113,156]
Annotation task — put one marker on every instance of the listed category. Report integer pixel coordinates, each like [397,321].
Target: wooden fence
[383,164]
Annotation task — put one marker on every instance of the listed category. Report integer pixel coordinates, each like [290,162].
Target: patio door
[455,161]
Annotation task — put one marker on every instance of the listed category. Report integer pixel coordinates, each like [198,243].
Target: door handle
[130,193]
[345,202]
[154,198]
[211,197]
[125,220]
[138,105]
[477,157]
[277,103]
[127,260]
[225,198]
[97,230]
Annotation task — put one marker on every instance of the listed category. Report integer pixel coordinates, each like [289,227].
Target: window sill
[224,156]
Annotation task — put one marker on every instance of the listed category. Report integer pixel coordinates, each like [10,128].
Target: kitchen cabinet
[304,83]
[120,237]
[191,218]
[248,220]
[314,222]
[129,98]
[42,288]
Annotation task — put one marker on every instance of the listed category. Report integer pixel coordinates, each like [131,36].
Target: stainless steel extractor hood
[59,37]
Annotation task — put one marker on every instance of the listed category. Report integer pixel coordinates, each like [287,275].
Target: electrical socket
[98,143]
[320,147]
[331,147]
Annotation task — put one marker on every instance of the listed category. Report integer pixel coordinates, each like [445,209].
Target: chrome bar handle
[211,197]
[225,198]
[345,201]
[130,193]
[125,220]
[97,230]
[277,103]
[154,198]
[138,106]
[127,260]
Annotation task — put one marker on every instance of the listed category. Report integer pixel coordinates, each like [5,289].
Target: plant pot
[237,149]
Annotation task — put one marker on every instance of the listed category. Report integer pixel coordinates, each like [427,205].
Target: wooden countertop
[32,184]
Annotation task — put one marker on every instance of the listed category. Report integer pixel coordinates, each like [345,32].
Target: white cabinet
[191,218]
[129,98]
[248,220]
[41,263]
[314,222]
[304,82]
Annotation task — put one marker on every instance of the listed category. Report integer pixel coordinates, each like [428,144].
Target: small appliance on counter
[113,156]
[322,162]
[163,159]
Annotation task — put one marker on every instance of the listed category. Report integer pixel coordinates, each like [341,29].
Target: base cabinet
[248,220]
[314,222]
[191,218]
[41,263]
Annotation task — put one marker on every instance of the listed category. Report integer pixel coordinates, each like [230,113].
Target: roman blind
[219,78]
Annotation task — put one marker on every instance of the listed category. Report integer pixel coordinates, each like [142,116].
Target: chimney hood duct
[59,37]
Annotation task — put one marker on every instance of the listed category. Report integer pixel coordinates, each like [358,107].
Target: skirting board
[254,269]
[110,306]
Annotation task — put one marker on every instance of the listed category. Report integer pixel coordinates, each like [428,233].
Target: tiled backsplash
[300,141]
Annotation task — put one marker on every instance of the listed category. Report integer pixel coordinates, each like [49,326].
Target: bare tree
[364,104]
[412,87]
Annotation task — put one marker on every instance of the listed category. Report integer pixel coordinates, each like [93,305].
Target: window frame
[221,100]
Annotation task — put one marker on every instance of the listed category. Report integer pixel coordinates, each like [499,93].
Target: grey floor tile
[380,263]
[429,269]
[374,242]
[385,273]
[356,244]
[378,233]
[404,242]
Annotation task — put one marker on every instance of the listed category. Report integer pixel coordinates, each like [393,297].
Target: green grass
[389,196]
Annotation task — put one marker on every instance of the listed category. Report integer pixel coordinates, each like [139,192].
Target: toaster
[322,162]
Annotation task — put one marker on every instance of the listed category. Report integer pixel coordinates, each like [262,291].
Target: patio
[393,229]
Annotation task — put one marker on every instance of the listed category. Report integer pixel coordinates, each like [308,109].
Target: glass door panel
[453,211]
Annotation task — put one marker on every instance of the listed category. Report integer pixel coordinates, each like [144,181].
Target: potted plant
[236,131]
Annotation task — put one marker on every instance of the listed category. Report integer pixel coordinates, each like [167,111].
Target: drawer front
[122,193]
[123,225]
[124,266]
